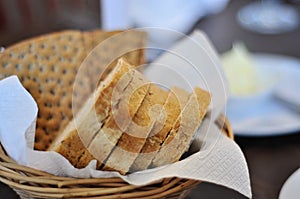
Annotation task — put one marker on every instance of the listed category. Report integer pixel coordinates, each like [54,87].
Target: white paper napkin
[18,113]
[219,161]
[192,62]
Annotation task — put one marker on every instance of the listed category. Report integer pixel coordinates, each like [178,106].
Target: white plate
[291,188]
[269,117]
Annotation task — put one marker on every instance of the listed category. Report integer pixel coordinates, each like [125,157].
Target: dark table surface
[271,160]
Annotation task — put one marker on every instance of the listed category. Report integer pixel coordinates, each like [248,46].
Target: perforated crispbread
[108,47]
[47,66]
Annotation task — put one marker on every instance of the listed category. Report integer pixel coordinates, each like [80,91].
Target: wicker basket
[32,183]
[35,69]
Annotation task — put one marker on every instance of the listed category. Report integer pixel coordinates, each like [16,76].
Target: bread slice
[176,101]
[81,130]
[179,138]
[132,141]
[124,107]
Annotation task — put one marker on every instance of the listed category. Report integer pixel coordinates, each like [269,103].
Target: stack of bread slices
[131,124]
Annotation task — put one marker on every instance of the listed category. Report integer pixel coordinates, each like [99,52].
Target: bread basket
[32,183]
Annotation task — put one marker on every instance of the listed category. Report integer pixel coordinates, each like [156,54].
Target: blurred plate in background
[267,116]
[290,189]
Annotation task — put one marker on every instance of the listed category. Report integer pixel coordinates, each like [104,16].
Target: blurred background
[274,30]
[20,19]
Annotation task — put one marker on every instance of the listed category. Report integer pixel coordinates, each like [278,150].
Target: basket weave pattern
[32,183]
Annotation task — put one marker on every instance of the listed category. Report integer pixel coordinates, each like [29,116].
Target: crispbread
[178,140]
[95,62]
[92,38]
[120,117]
[47,66]
[173,106]
[132,141]
[107,47]
[72,142]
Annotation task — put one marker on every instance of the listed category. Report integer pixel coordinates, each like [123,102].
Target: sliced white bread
[124,107]
[177,99]
[132,141]
[179,138]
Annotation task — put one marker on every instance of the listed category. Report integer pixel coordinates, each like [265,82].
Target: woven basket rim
[29,182]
